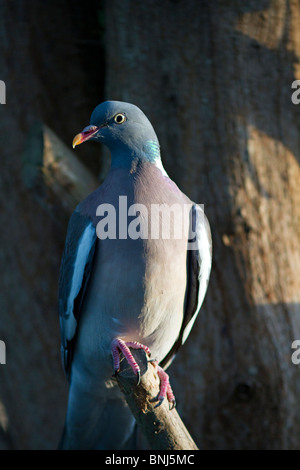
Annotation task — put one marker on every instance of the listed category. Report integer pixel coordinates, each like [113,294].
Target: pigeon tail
[98,425]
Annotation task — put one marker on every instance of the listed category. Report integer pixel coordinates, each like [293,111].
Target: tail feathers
[105,425]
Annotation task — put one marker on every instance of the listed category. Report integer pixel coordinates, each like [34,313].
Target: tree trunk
[215,80]
[44,47]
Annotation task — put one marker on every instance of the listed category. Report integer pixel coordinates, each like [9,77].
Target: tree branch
[163,428]
[53,172]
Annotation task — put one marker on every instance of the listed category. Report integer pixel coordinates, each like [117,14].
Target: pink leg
[165,388]
[120,345]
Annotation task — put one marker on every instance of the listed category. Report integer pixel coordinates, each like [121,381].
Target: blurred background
[214,77]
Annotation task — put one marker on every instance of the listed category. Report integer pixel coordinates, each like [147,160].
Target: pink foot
[120,345]
[165,390]
[165,387]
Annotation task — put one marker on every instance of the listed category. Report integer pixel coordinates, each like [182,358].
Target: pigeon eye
[119,118]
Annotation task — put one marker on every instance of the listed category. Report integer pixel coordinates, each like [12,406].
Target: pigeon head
[125,130]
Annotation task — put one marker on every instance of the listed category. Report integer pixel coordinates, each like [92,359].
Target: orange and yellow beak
[86,134]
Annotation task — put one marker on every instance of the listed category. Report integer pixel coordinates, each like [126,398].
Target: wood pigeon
[129,278]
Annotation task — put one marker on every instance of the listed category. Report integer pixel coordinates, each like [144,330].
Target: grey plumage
[147,290]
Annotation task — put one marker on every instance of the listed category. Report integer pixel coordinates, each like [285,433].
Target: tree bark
[215,80]
[44,48]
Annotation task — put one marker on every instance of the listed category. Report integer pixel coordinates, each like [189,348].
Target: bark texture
[215,77]
[43,47]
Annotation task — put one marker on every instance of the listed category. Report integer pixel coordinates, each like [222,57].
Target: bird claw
[138,377]
[153,361]
[172,404]
[165,387]
[120,345]
[159,401]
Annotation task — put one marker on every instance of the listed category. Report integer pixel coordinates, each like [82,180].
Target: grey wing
[199,258]
[75,270]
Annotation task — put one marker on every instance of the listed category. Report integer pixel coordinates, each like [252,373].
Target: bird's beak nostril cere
[86,134]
